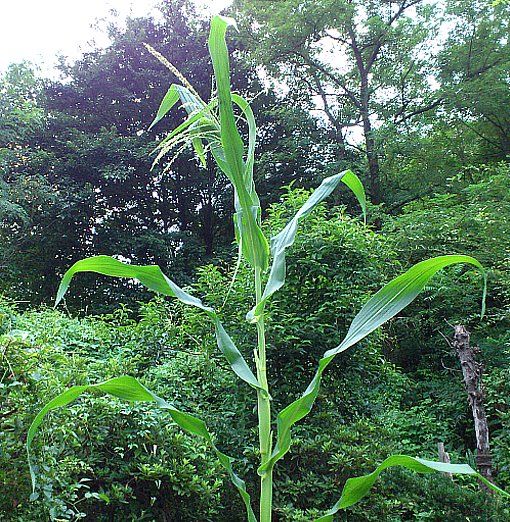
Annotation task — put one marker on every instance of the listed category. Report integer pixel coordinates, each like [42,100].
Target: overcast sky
[39,30]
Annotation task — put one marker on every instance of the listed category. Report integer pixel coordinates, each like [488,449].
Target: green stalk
[264,412]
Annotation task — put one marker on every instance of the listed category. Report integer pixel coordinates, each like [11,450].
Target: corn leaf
[252,141]
[230,137]
[193,117]
[129,389]
[200,120]
[354,183]
[381,307]
[356,488]
[153,278]
[199,151]
[287,236]
[254,243]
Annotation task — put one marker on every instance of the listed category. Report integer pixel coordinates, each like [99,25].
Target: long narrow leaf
[254,244]
[198,147]
[129,389]
[153,278]
[252,140]
[287,236]
[384,305]
[230,137]
[180,130]
[356,488]
[199,119]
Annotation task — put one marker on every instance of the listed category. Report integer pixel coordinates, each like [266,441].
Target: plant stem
[264,412]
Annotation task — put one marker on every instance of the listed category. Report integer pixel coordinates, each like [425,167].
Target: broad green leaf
[384,305]
[254,243]
[356,488]
[192,103]
[153,278]
[170,99]
[129,389]
[287,236]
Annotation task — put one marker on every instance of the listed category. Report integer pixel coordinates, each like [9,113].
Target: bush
[475,220]
[101,456]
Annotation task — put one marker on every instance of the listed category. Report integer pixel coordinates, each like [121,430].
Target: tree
[359,63]
[22,192]
[91,153]
[474,72]
[440,149]
[108,91]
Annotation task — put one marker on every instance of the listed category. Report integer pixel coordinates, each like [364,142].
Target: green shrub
[102,456]
[100,447]
[475,219]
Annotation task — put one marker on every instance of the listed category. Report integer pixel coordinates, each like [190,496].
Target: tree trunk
[370,147]
[472,372]
[444,456]
[372,159]
[363,105]
[182,201]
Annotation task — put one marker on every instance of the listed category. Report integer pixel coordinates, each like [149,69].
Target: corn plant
[212,128]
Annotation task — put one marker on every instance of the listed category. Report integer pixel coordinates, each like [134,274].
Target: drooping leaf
[356,488]
[383,305]
[287,236]
[129,389]
[153,278]
[354,183]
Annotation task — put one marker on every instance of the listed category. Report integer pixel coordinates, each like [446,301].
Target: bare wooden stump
[444,456]
[472,372]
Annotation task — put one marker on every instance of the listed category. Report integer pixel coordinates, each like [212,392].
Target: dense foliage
[75,161]
[103,457]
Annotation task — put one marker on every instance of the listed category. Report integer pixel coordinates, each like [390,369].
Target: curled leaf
[287,236]
[154,279]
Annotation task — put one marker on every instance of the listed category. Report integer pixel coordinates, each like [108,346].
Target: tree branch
[416,112]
